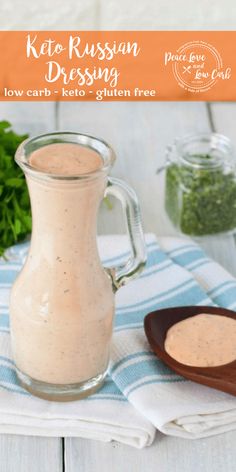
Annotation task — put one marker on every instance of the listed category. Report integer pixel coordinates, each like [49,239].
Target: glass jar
[200,191]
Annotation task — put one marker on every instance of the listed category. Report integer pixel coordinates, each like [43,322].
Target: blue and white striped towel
[141,394]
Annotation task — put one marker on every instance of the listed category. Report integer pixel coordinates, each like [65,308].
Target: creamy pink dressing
[65,159]
[62,303]
[205,340]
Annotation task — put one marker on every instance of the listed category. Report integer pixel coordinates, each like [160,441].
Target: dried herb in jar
[202,200]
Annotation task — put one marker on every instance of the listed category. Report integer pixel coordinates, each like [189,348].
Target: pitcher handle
[134,265]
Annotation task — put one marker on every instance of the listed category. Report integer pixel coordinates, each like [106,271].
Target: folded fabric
[141,394]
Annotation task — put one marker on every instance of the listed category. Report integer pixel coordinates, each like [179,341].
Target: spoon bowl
[156,325]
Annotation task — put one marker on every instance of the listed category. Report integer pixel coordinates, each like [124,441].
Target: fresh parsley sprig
[15,215]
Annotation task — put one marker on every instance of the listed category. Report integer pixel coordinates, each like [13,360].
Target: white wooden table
[139,133]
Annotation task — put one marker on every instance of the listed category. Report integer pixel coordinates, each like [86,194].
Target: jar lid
[205,150]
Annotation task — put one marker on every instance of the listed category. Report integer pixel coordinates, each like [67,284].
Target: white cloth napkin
[141,394]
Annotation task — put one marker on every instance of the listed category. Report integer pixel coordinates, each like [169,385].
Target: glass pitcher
[62,303]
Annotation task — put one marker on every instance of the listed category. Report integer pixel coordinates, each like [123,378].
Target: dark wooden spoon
[156,325]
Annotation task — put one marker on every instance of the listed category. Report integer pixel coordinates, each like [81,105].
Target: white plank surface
[30,454]
[161,15]
[139,134]
[224,117]
[223,249]
[166,454]
[29,117]
[48,15]
[111,14]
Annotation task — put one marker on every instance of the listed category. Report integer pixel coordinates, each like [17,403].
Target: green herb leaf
[15,215]
[15,182]
[4,125]
[17,227]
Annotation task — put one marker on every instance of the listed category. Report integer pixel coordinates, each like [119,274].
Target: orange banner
[117,65]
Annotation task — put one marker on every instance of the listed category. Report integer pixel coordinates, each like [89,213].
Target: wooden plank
[49,15]
[224,117]
[34,454]
[166,454]
[139,133]
[29,117]
[153,15]
[222,248]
